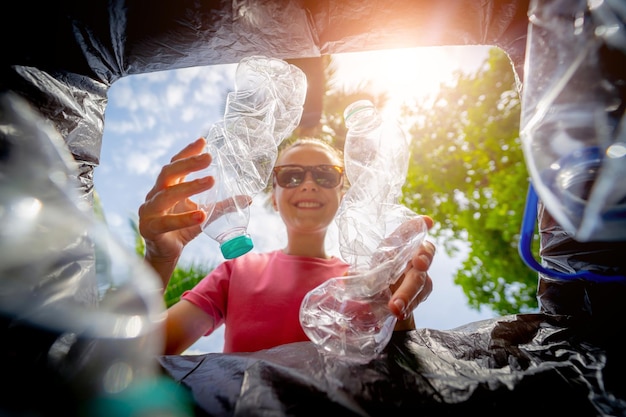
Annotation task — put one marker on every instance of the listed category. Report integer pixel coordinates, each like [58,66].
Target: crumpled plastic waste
[89,339]
[348,316]
[264,109]
[573,128]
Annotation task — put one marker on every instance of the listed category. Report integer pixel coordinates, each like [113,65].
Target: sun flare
[406,74]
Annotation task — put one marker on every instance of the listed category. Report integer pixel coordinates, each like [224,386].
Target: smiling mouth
[308,204]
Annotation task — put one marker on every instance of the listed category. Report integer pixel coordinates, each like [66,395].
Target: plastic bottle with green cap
[264,109]
[227,203]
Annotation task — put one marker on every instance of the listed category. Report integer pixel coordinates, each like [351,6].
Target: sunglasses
[291,176]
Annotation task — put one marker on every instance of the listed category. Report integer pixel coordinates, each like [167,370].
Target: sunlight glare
[406,74]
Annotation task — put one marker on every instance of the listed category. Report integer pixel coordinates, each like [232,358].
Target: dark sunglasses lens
[290,177]
[326,176]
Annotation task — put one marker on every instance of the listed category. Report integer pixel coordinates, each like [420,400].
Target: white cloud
[158,77]
[189,113]
[148,121]
[140,163]
[121,126]
[187,75]
[213,83]
[148,101]
[121,94]
[114,219]
[174,95]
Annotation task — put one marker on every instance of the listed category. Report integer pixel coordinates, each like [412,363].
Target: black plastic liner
[521,365]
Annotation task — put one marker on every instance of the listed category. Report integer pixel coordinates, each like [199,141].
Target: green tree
[467,171]
[183,278]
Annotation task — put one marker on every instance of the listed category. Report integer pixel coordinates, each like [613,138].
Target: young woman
[257,296]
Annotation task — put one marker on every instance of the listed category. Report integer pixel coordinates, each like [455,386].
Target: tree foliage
[184,278]
[467,171]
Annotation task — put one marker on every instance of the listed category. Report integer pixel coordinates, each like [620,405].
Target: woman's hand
[168,219]
[414,286]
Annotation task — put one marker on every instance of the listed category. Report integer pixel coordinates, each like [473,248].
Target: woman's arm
[184,325]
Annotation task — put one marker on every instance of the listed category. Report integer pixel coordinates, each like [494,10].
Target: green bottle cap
[236,246]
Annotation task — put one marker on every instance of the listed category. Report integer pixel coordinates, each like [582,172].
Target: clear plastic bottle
[376,157]
[263,110]
[348,316]
[227,203]
[375,145]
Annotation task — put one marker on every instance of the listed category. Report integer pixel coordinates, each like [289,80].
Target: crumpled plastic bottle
[376,158]
[81,317]
[572,123]
[264,109]
[348,316]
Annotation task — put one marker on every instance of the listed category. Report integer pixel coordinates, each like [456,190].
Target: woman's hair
[336,153]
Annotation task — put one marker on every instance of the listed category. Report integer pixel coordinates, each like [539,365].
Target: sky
[150,117]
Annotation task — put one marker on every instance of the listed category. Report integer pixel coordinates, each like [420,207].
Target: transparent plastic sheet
[81,341]
[573,127]
[62,57]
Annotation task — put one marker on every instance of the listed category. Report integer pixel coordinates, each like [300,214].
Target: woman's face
[308,207]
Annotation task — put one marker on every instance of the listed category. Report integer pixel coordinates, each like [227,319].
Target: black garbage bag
[62,56]
[519,365]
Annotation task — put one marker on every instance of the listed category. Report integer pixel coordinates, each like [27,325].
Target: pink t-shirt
[258,296]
